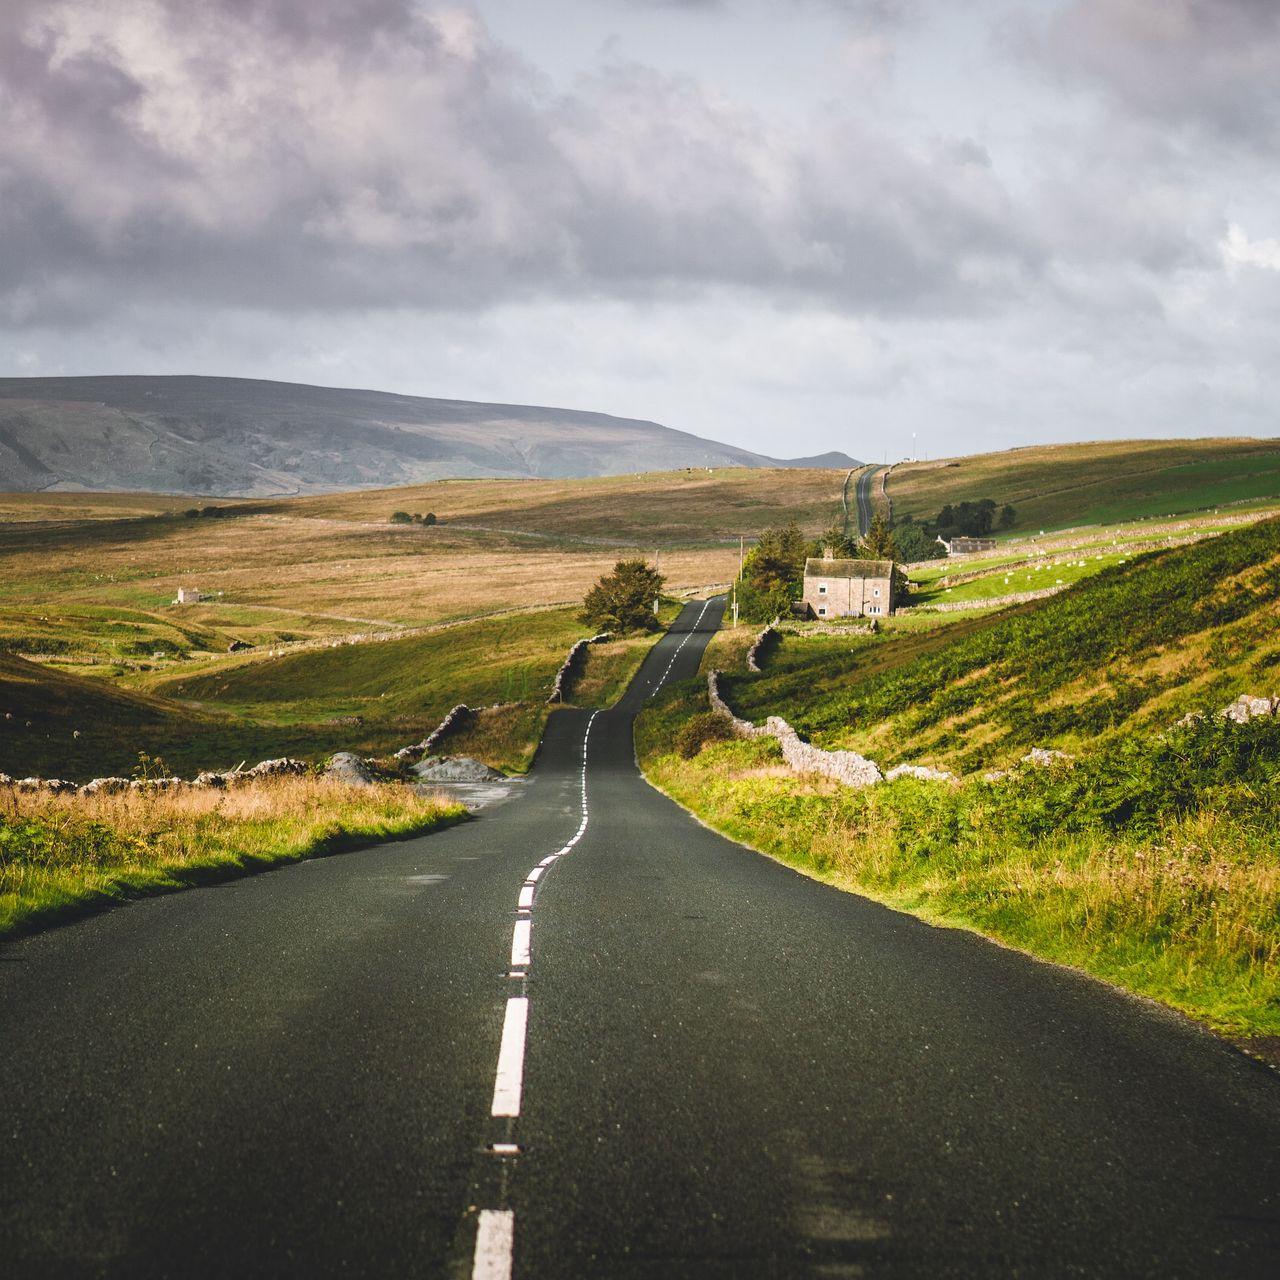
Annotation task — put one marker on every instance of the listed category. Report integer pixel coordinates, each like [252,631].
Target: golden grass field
[664,508]
[84,578]
[63,853]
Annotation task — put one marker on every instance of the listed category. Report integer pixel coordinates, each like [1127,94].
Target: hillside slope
[1063,486]
[1136,646]
[237,436]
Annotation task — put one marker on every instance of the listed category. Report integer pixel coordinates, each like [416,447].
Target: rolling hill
[1098,482]
[241,437]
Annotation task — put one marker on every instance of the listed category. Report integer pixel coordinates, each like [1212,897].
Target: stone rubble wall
[884,490]
[962,606]
[569,667]
[454,718]
[846,767]
[854,770]
[277,768]
[758,646]
[802,629]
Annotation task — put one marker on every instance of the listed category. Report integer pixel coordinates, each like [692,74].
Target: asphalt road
[709,1066]
[862,495]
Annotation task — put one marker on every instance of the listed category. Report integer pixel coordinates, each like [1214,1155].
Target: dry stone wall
[759,644]
[963,606]
[569,667]
[847,767]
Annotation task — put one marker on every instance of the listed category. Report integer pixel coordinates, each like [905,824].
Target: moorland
[1133,594]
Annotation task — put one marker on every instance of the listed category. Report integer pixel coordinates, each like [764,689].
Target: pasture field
[371,698]
[1064,486]
[61,506]
[1137,644]
[101,592]
[656,509]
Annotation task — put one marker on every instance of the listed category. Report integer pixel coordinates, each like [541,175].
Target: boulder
[1248,706]
[347,767]
[1043,757]
[455,769]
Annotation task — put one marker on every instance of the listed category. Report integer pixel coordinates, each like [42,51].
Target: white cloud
[1239,251]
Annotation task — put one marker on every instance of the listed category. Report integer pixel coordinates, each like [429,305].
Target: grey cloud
[1212,65]
[288,154]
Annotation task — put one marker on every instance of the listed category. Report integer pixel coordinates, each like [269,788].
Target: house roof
[819,568]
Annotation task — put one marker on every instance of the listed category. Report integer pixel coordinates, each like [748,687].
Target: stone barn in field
[848,588]
[967,546]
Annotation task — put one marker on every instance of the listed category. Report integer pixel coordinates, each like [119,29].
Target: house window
[822,588]
[875,591]
[822,611]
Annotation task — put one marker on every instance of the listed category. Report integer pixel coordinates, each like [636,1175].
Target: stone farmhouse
[848,588]
[967,546]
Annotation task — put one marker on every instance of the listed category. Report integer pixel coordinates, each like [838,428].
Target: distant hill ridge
[243,437]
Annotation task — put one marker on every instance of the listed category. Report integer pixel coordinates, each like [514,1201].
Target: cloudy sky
[796,225]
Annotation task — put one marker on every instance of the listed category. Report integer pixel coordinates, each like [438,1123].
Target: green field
[1065,486]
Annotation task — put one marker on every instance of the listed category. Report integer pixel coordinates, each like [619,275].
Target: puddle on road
[474,795]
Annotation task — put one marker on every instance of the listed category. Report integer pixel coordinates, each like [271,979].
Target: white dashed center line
[493,1245]
[521,937]
[663,678]
[495,1237]
[510,1077]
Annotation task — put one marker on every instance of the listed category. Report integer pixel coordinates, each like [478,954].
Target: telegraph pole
[741,552]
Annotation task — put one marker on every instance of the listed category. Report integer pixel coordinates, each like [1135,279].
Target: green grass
[1065,486]
[370,698]
[1012,581]
[1135,645]
[61,856]
[1147,860]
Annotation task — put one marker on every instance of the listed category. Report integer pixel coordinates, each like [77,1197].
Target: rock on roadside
[455,769]
[349,768]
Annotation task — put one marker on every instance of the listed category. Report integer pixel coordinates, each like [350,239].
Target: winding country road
[585,1036]
[862,496]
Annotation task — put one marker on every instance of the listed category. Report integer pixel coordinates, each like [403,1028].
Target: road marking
[698,622]
[520,939]
[510,1077]
[495,1241]
[495,1235]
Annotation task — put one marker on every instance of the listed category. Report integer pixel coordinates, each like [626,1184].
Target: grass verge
[66,855]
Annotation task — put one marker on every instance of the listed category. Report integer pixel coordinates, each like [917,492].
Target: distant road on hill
[241,437]
[587,1036]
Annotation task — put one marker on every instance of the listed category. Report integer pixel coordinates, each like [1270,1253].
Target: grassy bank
[61,856]
[1129,650]
[1153,868]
